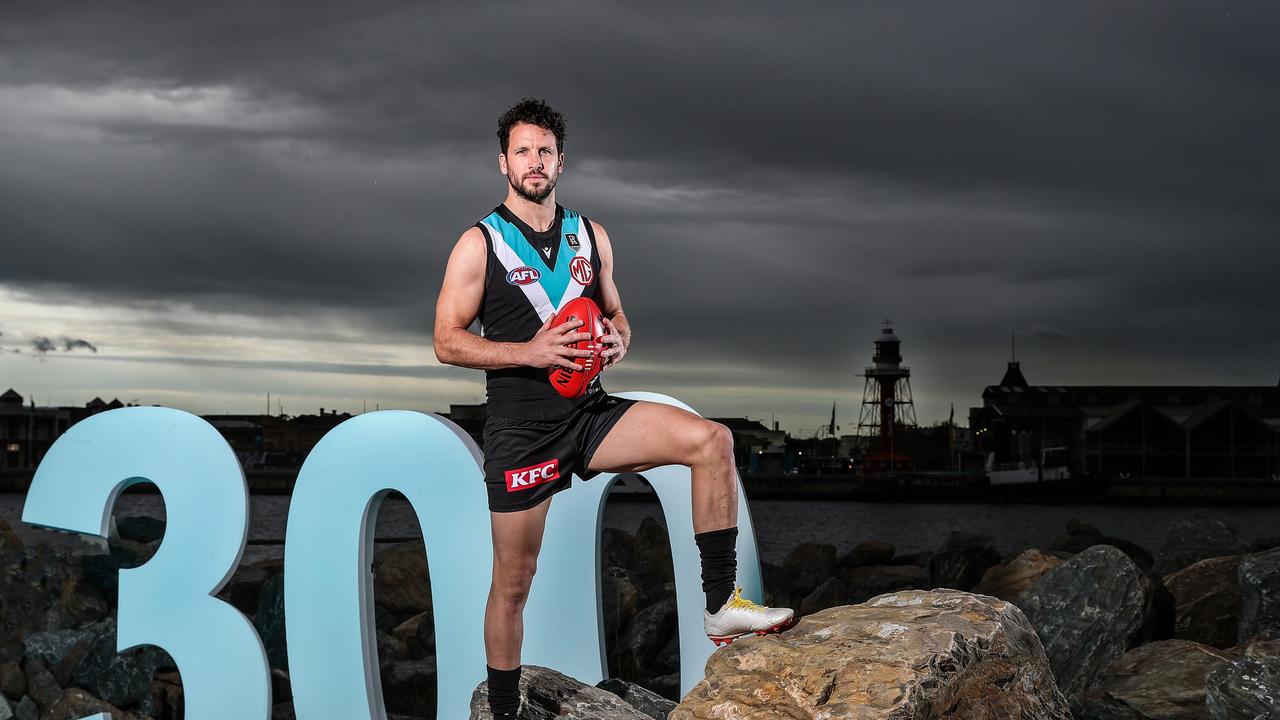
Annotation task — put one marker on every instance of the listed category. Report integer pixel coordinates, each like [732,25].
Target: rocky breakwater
[909,654]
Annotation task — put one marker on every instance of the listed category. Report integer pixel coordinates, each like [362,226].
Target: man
[513,270]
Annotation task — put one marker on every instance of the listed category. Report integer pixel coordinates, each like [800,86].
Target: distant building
[756,448]
[1175,431]
[27,431]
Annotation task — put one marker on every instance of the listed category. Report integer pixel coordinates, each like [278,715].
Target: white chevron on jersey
[573,290]
[533,292]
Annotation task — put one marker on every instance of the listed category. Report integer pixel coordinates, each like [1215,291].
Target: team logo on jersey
[581,271]
[527,477]
[572,238]
[523,276]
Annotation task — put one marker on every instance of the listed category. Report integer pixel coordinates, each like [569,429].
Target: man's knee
[714,443]
[512,579]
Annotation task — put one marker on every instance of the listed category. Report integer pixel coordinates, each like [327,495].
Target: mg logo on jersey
[527,477]
[580,269]
[523,276]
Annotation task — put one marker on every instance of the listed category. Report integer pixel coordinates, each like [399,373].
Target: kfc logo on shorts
[528,477]
[523,276]
[580,269]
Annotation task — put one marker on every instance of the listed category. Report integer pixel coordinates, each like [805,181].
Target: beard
[533,196]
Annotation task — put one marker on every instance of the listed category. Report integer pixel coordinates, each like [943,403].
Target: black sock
[504,693]
[719,552]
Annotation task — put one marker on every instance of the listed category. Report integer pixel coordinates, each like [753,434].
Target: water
[780,524]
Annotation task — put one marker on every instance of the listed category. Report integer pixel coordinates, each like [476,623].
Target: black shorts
[528,461]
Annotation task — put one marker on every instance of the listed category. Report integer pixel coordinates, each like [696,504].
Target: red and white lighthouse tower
[886,405]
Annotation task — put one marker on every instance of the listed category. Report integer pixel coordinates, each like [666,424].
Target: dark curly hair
[535,112]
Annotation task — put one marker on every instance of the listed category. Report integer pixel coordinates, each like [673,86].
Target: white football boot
[739,616]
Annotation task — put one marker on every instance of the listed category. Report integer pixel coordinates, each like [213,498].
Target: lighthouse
[886,404]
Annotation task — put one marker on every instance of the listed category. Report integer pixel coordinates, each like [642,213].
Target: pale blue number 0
[169,601]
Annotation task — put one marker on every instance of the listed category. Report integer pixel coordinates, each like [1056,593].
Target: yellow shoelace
[740,602]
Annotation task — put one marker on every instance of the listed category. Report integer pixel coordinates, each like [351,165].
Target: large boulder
[1081,536]
[75,703]
[870,552]
[811,564]
[409,687]
[401,583]
[645,637]
[1207,599]
[1259,583]
[269,621]
[962,561]
[1088,611]
[646,701]
[619,599]
[865,582]
[1199,535]
[913,654]
[118,678]
[1247,688]
[1008,580]
[1163,680]
[651,568]
[140,528]
[547,695]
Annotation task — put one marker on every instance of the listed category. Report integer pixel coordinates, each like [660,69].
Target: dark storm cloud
[777,181]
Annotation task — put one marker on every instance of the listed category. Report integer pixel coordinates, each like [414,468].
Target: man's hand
[549,347]
[617,348]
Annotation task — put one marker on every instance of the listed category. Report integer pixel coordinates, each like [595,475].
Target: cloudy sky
[203,204]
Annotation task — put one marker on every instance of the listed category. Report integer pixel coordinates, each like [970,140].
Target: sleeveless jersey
[529,276]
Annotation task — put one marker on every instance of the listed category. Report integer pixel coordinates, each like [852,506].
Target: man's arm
[458,305]
[619,338]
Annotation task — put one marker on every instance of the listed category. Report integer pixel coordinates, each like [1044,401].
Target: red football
[573,383]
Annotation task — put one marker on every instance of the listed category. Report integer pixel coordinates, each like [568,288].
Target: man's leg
[517,538]
[650,435]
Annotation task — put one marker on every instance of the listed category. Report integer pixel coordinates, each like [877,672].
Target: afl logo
[580,269]
[523,276]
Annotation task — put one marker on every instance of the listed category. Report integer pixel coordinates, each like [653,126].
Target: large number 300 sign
[328,582]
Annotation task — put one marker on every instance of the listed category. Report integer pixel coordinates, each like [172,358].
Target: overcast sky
[201,204]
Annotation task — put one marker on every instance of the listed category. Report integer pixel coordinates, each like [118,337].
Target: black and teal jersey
[529,276]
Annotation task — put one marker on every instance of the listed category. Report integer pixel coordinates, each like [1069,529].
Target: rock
[619,601]
[284,711]
[75,703]
[401,583]
[616,548]
[390,648]
[779,587]
[140,528]
[920,558]
[1207,600]
[811,564]
[547,694]
[31,582]
[1197,536]
[647,702]
[269,621]
[119,679]
[829,594]
[913,654]
[13,682]
[1081,536]
[1259,583]
[1087,612]
[1163,680]
[41,685]
[409,687]
[1248,687]
[652,568]
[1008,580]
[962,562]
[645,637]
[26,709]
[868,581]
[870,552]
[243,588]
[417,634]
[51,646]
[6,709]
[102,571]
